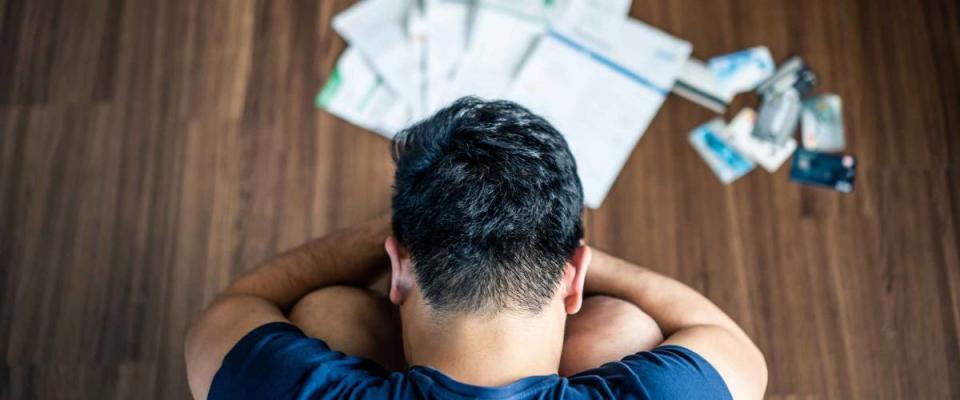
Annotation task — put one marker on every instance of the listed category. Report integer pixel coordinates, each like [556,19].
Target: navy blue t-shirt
[277,361]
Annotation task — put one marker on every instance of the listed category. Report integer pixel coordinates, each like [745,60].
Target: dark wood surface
[152,150]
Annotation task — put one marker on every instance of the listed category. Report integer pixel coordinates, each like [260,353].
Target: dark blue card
[835,171]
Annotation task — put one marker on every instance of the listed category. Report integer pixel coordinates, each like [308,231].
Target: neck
[486,350]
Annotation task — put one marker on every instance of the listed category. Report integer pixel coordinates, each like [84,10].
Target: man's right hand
[687,319]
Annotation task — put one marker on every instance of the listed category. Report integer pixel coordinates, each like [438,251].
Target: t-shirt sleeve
[667,372]
[277,361]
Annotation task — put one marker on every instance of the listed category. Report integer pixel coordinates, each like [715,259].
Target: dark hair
[488,203]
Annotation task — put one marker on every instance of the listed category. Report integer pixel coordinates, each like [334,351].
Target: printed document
[388,33]
[502,35]
[602,100]
[357,94]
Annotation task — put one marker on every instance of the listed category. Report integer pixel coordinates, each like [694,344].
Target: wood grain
[151,151]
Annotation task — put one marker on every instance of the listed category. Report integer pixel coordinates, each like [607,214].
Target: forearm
[351,256]
[687,319]
[673,305]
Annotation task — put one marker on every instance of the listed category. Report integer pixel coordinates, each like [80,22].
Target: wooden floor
[152,150]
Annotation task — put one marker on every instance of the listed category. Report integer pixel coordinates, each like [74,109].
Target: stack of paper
[598,76]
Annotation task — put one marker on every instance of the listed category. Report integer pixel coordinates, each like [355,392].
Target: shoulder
[667,372]
[277,360]
[218,329]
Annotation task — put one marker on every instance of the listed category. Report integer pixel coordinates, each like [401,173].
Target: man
[486,261]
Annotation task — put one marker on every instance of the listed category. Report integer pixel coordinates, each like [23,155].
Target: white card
[739,134]
[743,70]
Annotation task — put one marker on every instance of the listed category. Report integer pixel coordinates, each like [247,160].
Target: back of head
[488,204]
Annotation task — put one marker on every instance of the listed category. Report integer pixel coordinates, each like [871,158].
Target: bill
[598,22]
[389,35]
[502,34]
[356,93]
[601,98]
[447,23]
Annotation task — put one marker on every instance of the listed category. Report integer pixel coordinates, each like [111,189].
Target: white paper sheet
[447,29]
[503,33]
[596,22]
[602,101]
[357,94]
[387,35]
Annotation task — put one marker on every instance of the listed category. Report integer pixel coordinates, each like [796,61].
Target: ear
[401,271]
[574,274]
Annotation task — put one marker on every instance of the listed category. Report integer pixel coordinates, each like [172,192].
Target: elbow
[753,373]
[761,374]
[764,374]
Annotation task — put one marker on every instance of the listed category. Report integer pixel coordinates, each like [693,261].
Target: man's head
[486,212]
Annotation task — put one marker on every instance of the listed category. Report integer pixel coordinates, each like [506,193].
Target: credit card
[697,84]
[743,70]
[770,155]
[834,171]
[723,159]
[783,78]
[822,123]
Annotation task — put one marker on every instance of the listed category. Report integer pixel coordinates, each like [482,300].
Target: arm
[687,319]
[349,257]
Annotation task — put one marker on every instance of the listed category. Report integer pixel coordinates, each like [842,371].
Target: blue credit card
[835,171]
[724,160]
